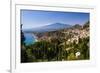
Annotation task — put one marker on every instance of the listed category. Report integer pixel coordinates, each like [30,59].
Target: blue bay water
[29,38]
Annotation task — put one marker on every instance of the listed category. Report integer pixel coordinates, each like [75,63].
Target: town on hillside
[60,45]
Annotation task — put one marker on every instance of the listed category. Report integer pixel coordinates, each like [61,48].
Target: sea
[29,38]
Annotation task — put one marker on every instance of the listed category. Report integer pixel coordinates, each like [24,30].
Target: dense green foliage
[47,51]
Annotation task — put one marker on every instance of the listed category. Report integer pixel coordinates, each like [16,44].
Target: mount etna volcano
[47,28]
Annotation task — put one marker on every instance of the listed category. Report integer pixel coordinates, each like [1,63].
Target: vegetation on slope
[59,45]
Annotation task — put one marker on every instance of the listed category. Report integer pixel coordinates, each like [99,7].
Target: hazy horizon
[37,18]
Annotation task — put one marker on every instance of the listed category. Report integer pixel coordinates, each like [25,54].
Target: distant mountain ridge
[47,28]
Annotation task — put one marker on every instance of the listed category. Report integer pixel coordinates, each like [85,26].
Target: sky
[36,18]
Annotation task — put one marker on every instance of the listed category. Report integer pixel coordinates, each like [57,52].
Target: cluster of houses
[77,33]
[70,35]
